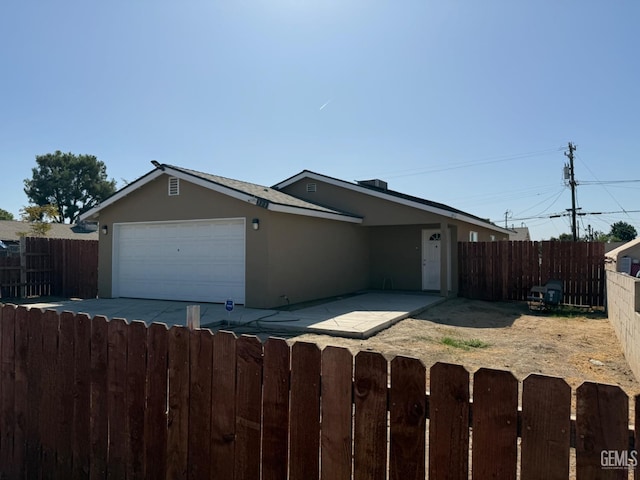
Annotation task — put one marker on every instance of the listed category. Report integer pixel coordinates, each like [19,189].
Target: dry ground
[577,346]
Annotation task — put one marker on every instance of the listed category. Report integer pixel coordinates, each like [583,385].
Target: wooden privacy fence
[51,266]
[91,398]
[507,270]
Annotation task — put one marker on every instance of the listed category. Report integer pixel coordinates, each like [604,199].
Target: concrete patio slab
[149,311]
[358,316]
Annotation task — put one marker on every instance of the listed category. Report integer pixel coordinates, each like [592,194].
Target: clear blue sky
[467,103]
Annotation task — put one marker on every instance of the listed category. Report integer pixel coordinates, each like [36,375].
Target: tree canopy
[623,232]
[4,215]
[564,237]
[72,183]
[38,217]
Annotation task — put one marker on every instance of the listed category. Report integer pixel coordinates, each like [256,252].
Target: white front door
[431,259]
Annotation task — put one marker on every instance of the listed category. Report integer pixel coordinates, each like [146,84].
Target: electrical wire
[566,214]
[468,163]
[605,188]
[559,194]
[483,199]
[257,321]
[608,182]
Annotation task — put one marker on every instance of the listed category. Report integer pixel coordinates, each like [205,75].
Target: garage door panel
[192,261]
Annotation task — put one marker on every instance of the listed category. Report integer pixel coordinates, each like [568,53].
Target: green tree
[39,218]
[564,237]
[4,215]
[599,236]
[622,232]
[72,183]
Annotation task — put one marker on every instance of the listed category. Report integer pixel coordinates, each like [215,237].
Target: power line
[469,163]
[607,182]
[557,196]
[503,197]
[569,213]
[605,188]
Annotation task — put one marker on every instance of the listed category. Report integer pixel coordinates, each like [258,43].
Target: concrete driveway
[357,316]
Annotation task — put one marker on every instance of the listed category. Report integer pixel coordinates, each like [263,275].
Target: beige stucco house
[184,235]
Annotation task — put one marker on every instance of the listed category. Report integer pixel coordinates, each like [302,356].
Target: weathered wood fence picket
[507,270]
[91,398]
[487,270]
[51,266]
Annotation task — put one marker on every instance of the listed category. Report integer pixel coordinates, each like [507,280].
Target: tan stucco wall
[623,307]
[151,203]
[396,257]
[314,258]
[378,212]
[320,250]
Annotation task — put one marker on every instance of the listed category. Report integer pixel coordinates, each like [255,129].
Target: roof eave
[277,207]
[392,198]
[94,213]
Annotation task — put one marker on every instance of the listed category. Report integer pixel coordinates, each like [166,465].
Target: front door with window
[431,259]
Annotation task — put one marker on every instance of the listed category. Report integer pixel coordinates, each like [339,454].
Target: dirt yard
[577,346]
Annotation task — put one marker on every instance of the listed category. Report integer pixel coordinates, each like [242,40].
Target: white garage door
[200,260]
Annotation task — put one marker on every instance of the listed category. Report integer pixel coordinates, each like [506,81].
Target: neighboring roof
[520,234]
[623,248]
[397,197]
[250,192]
[10,231]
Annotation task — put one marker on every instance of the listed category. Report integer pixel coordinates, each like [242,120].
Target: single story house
[520,234]
[180,234]
[12,230]
[626,258]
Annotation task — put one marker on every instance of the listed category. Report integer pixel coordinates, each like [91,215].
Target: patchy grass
[464,344]
[571,311]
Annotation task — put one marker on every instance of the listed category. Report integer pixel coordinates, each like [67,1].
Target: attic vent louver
[311,187]
[375,183]
[262,202]
[174,186]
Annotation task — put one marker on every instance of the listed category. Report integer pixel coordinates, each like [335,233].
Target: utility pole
[507,214]
[572,183]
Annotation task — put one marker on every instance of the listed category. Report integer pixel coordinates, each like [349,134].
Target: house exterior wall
[396,257]
[623,307]
[315,258]
[379,212]
[318,248]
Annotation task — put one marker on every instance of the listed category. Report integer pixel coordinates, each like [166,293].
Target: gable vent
[311,187]
[174,186]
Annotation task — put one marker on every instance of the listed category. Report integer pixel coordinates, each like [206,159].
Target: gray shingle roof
[520,234]
[10,231]
[394,194]
[260,191]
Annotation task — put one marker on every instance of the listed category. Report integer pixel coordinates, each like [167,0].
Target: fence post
[23,267]
[193,317]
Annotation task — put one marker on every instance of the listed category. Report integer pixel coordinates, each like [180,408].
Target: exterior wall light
[105,229]
[255,223]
